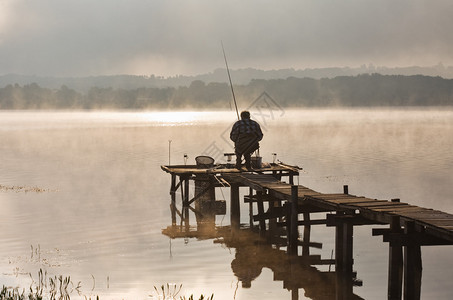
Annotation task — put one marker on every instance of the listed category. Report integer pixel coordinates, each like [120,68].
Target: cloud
[81,37]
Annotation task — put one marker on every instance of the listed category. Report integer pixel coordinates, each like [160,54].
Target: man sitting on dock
[246,135]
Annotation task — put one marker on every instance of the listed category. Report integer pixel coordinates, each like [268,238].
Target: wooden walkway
[280,204]
[429,222]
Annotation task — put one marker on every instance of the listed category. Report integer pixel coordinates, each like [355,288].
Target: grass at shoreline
[10,293]
[61,288]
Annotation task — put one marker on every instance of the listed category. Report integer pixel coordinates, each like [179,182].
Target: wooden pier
[276,206]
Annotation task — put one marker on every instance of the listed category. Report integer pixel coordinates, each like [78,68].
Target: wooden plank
[433,221]
[187,171]
[438,220]
[221,171]
[262,178]
[424,210]
[276,183]
[353,200]
[450,228]
[265,182]
[439,223]
[339,196]
[369,204]
[276,186]
[271,184]
[380,204]
[302,188]
[312,194]
[259,177]
[399,206]
[285,190]
[220,168]
[308,194]
[426,214]
[373,208]
[283,187]
[165,168]
[397,209]
[294,169]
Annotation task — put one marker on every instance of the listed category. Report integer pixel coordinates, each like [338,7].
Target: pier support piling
[173,199]
[185,196]
[306,240]
[260,204]
[412,265]
[395,274]
[274,209]
[345,189]
[410,226]
[235,212]
[343,256]
[251,208]
[293,222]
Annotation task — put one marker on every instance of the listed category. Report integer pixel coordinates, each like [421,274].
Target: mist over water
[103,199]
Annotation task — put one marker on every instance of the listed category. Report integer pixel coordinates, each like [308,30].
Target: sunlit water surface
[82,194]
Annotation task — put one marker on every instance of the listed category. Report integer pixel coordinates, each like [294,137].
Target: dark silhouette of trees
[348,91]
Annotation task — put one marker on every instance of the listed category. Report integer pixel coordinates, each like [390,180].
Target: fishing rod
[231,84]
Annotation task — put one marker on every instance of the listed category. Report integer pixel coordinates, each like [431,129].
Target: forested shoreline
[341,91]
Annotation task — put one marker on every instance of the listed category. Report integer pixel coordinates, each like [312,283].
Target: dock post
[395,276]
[260,204]
[294,221]
[185,195]
[287,209]
[173,199]
[273,206]
[339,247]
[235,213]
[291,179]
[307,229]
[345,189]
[295,293]
[348,260]
[251,208]
[412,265]
[343,258]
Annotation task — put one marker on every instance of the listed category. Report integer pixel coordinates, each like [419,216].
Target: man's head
[245,114]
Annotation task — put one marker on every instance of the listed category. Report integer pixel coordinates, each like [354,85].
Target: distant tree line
[348,91]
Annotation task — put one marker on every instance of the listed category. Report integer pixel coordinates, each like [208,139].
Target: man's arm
[259,133]
[234,132]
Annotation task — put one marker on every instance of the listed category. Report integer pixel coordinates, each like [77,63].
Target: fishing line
[229,77]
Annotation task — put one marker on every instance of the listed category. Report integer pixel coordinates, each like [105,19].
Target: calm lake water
[82,194]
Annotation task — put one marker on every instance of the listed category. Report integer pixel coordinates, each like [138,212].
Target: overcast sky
[169,37]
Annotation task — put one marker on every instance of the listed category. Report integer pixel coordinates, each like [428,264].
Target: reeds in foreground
[170,291]
[61,288]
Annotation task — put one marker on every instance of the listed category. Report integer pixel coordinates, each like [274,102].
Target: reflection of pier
[253,253]
[276,207]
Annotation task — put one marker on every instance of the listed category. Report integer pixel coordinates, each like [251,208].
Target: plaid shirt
[245,127]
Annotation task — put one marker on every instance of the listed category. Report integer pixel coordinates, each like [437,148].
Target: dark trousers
[247,157]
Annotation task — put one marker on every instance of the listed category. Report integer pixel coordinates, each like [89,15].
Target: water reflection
[253,253]
[112,197]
